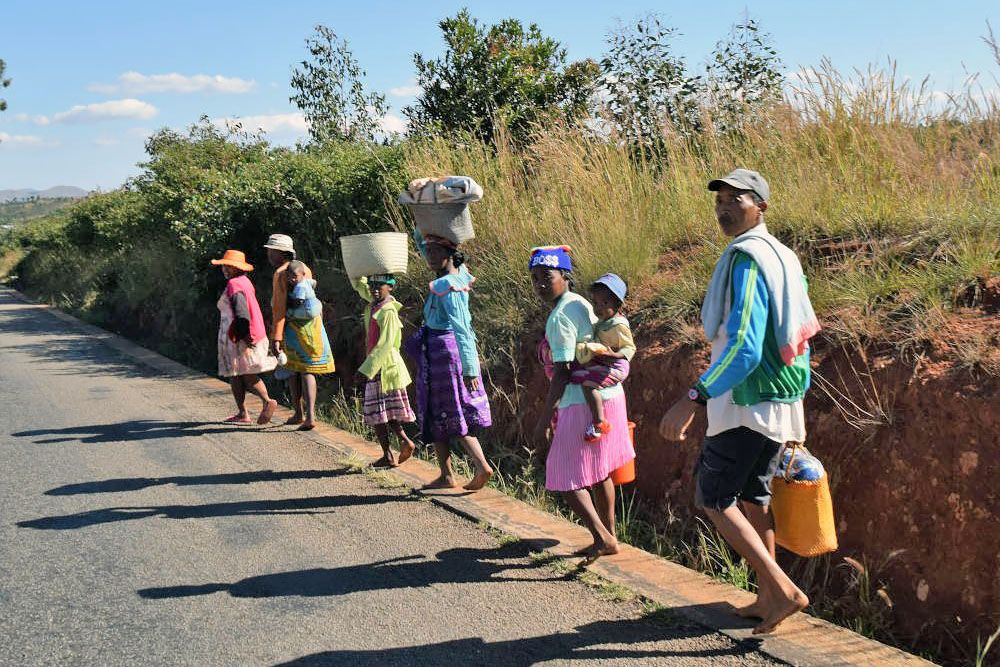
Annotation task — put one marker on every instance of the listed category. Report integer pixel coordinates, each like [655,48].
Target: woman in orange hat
[243,342]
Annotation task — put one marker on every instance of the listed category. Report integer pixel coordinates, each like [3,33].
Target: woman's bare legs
[406,446]
[604,500]
[446,480]
[309,398]
[604,541]
[255,386]
[295,389]
[382,435]
[483,470]
[239,395]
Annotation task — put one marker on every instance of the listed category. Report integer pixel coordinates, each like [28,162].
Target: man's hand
[677,419]
[276,347]
[474,384]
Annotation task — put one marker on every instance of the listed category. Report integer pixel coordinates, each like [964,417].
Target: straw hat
[234,258]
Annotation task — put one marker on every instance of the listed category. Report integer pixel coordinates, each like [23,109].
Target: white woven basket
[450,221]
[369,254]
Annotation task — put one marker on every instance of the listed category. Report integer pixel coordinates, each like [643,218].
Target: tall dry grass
[888,192]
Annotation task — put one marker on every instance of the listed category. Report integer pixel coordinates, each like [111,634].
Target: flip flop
[306,427]
[236,419]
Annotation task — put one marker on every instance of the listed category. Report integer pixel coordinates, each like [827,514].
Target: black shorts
[737,464]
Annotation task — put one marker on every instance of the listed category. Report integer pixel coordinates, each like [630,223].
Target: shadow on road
[451,566]
[138,429]
[458,565]
[139,483]
[315,505]
[628,640]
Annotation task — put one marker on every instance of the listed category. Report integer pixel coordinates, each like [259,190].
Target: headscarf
[551,257]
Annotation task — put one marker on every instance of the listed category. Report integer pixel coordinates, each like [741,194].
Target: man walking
[758,316]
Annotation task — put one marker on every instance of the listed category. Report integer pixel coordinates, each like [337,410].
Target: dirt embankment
[913,451]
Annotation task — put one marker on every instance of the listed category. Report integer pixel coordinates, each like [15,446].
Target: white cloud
[293,122]
[28,118]
[90,113]
[23,140]
[392,124]
[136,83]
[409,90]
[106,141]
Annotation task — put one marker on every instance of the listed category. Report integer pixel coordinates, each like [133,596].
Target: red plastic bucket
[626,473]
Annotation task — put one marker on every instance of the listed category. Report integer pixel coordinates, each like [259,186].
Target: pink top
[374,331]
[242,284]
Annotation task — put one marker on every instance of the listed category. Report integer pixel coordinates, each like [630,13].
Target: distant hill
[58,192]
[15,212]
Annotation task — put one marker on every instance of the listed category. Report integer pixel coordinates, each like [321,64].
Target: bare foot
[294,420]
[598,549]
[754,610]
[307,426]
[480,480]
[777,613]
[406,450]
[384,462]
[442,482]
[267,412]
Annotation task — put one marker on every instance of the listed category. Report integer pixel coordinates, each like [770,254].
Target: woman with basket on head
[242,340]
[451,401]
[386,405]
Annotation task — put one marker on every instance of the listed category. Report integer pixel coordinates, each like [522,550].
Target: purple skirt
[445,406]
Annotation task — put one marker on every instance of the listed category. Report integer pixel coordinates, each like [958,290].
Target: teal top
[570,322]
[447,309]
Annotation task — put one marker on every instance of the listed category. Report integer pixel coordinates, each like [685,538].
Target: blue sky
[77,117]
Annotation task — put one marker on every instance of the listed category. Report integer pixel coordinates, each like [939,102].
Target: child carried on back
[604,362]
[302,301]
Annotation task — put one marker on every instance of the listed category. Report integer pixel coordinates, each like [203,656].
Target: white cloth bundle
[443,190]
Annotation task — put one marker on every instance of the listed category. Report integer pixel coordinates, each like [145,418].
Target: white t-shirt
[781,422]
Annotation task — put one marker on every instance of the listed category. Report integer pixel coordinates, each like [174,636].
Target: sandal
[236,419]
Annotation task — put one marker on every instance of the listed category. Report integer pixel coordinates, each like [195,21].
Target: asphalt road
[137,529]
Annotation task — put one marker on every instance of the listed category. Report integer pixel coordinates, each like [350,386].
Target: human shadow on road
[452,566]
[629,639]
[314,505]
[134,430]
[139,483]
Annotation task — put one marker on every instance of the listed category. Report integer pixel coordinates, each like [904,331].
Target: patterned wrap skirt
[383,407]
[308,347]
[445,406]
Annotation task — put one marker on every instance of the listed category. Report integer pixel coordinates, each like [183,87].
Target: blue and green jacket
[751,364]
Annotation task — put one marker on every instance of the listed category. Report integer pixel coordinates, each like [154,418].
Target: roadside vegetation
[889,192]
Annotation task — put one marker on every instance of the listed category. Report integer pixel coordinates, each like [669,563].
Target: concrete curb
[803,640]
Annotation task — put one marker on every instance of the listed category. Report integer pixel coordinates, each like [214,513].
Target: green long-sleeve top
[384,358]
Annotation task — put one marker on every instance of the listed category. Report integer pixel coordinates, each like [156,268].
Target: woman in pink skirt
[578,469]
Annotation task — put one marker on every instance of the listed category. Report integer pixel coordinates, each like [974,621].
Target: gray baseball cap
[743,179]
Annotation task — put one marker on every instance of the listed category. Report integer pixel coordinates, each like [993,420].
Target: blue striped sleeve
[745,329]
